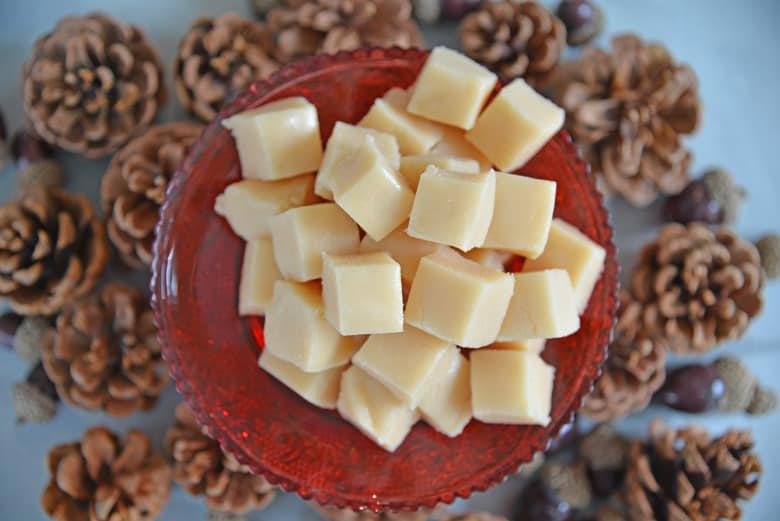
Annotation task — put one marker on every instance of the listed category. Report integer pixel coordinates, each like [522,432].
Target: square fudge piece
[343,141]
[415,135]
[247,205]
[571,250]
[489,258]
[522,214]
[511,387]
[453,143]
[451,89]
[446,403]
[296,329]
[458,300]
[374,410]
[320,389]
[302,235]
[542,306]
[402,362]
[453,208]
[515,125]
[529,345]
[362,293]
[412,167]
[407,251]
[278,140]
[258,276]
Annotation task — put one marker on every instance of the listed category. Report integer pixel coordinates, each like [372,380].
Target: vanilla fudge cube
[446,402]
[451,89]
[407,251]
[402,362]
[453,208]
[362,293]
[530,345]
[374,410]
[258,276]
[301,235]
[412,167]
[415,135]
[247,205]
[515,125]
[453,143]
[398,97]
[371,192]
[511,387]
[343,141]
[489,258]
[522,214]
[458,300]
[278,140]
[320,389]
[569,249]
[543,306]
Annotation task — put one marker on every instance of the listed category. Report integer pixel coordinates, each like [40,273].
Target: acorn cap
[721,187]
[48,173]
[769,250]
[570,482]
[739,385]
[28,341]
[604,449]
[32,404]
[764,401]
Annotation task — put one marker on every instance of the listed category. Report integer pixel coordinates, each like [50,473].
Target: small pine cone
[200,466]
[53,249]
[627,109]
[133,188]
[104,353]
[92,84]
[633,372]
[697,287]
[218,58]
[472,516]
[101,478]
[514,39]
[346,514]
[29,338]
[685,475]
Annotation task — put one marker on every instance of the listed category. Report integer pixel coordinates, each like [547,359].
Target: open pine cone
[201,467]
[104,354]
[103,478]
[697,288]
[92,84]
[53,249]
[686,476]
[133,188]
[634,369]
[219,57]
[514,39]
[305,27]
[627,109]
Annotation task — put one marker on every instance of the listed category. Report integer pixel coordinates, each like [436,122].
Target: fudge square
[278,140]
[412,167]
[258,276]
[446,403]
[458,300]
[407,251]
[320,389]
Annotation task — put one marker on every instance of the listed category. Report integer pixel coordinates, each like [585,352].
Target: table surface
[733,46]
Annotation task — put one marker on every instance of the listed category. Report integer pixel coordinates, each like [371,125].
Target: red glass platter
[212,352]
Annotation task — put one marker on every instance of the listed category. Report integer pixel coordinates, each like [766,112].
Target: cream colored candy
[570,249]
[247,205]
[398,97]
[412,167]
[451,89]
[522,214]
[458,300]
[362,293]
[489,258]
[446,403]
[371,192]
[530,345]
[453,143]
[402,362]
[407,251]
[542,306]
[453,208]
[302,235]
[278,140]
[374,410]
[258,275]
[343,141]
[320,389]
[415,135]
[515,125]
[511,387]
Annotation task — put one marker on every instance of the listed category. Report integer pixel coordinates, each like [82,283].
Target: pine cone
[634,369]
[346,514]
[698,288]
[514,39]
[305,27]
[627,109]
[92,84]
[200,466]
[104,354]
[686,476]
[133,188]
[102,478]
[52,249]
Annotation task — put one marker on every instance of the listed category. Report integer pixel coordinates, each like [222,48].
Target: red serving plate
[212,352]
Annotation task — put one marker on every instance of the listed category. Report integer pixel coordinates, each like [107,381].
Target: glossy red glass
[212,352]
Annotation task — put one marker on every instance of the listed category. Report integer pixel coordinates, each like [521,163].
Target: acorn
[712,198]
[769,250]
[35,399]
[28,341]
[9,323]
[605,452]
[583,19]
[3,141]
[35,161]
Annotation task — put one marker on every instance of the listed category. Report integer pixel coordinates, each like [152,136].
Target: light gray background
[734,48]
